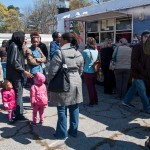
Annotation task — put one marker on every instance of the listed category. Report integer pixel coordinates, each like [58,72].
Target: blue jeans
[137,86]
[61,129]
[4,70]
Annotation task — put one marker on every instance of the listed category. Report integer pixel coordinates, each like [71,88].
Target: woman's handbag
[96,65]
[61,81]
[112,64]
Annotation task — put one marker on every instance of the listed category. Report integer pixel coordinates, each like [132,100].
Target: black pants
[18,87]
[109,81]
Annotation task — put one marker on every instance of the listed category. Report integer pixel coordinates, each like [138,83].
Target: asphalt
[106,126]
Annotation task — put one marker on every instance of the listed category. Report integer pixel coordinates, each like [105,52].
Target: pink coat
[8,99]
[38,92]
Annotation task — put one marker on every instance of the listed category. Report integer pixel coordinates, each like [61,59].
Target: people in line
[71,99]
[122,67]
[139,74]
[9,99]
[90,55]
[38,98]
[55,44]
[106,56]
[3,56]
[35,57]
[15,71]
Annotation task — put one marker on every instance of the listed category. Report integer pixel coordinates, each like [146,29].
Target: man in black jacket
[15,71]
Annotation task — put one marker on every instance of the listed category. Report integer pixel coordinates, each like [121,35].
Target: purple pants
[10,114]
[90,80]
[39,109]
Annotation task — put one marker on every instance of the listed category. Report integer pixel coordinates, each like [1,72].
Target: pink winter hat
[39,78]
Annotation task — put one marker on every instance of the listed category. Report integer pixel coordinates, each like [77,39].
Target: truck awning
[99,16]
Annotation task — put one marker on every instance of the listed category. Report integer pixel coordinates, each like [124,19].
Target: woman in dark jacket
[15,70]
[109,78]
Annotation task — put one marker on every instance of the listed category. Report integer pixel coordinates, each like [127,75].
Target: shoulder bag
[61,81]
[96,65]
[112,64]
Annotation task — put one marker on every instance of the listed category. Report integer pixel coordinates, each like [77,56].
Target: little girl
[38,97]
[8,99]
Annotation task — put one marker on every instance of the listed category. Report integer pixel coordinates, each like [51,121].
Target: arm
[135,57]
[30,59]
[13,58]
[52,49]
[4,98]
[42,59]
[80,62]
[32,96]
[54,65]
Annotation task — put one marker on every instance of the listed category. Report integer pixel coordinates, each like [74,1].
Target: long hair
[74,43]
[91,43]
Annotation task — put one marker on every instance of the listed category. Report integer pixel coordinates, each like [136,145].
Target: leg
[142,93]
[89,82]
[61,129]
[118,75]
[126,76]
[10,115]
[41,113]
[130,94]
[18,87]
[34,114]
[4,70]
[74,119]
[94,89]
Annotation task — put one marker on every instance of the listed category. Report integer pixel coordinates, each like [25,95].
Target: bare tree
[42,17]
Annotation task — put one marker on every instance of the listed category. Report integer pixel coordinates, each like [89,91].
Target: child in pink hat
[8,99]
[38,97]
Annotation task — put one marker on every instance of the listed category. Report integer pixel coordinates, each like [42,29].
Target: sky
[22,4]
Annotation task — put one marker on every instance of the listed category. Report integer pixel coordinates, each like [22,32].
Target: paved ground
[106,126]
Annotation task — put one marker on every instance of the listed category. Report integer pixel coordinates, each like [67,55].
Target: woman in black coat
[15,71]
[109,78]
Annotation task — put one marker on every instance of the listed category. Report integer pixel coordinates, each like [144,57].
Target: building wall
[141,19]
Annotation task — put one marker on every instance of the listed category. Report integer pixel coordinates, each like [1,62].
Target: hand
[6,105]
[38,60]
[28,74]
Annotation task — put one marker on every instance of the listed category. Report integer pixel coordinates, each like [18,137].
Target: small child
[8,99]
[38,97]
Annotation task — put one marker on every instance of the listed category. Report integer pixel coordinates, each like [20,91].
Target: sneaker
[146,111]
[11,121]
[128,105]
[40,123]
[20,118]
[59,137]
[32,124]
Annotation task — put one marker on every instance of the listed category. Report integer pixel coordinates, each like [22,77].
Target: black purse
[61,81]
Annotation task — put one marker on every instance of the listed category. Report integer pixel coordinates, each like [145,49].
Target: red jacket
[8,99]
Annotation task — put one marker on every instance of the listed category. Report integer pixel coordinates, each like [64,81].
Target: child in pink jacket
[8,99]
[38,97]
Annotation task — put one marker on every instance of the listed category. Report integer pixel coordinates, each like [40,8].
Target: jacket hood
[18,38]
[39,78]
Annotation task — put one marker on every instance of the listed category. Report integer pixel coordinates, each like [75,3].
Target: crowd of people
[21,63]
